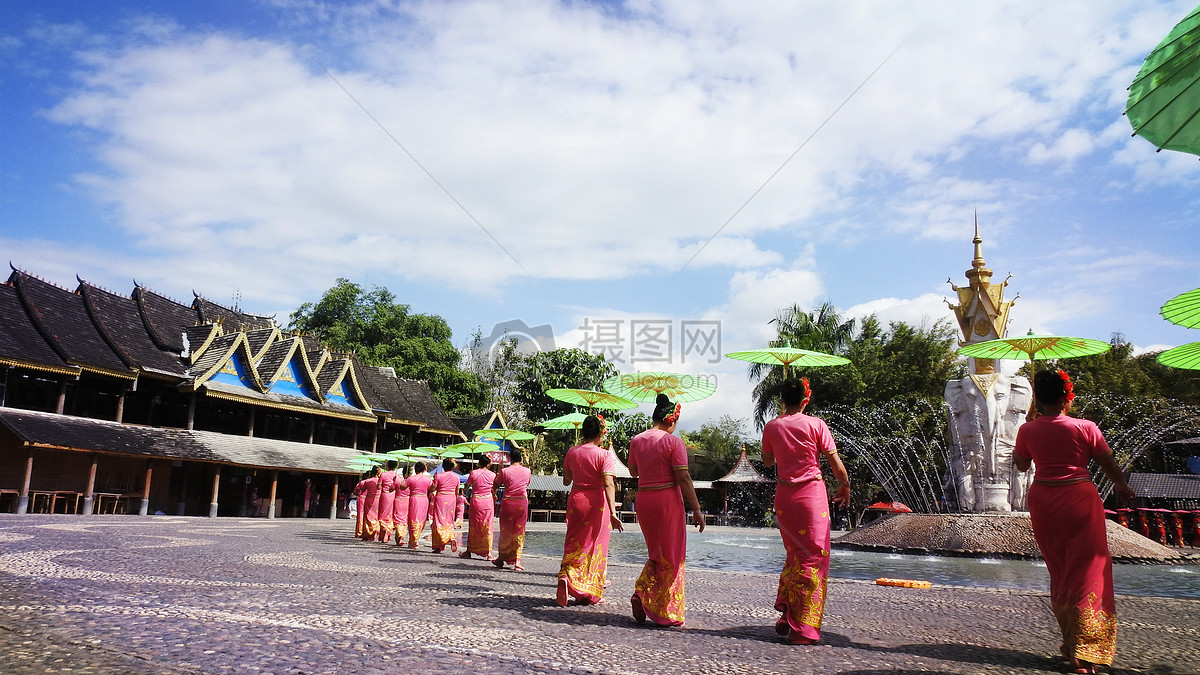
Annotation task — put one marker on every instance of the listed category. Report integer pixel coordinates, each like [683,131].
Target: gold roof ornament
[982,311]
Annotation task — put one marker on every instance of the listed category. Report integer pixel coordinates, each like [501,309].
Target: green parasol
[592,399]
[1035,348]
[505,434]
[647,386]
[1164,102]
[1186,357]
[789,356]
[470,447]
[376,457]
[360,466]
[1183,309]
[569,421]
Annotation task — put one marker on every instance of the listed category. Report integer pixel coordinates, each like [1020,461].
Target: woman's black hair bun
[662,400]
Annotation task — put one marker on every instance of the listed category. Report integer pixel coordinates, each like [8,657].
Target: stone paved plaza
[122,594]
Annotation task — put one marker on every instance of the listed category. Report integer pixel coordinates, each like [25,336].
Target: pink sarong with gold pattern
[653,455]
[418,506]
[802,514]
[585,549]
[400,510]
[514,512]
[1068,523]
[443,505]
[371,504]
[483,512]
[387,499]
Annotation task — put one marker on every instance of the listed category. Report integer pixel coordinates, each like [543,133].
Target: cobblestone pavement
[123,594]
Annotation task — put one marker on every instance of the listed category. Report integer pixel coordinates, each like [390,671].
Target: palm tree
[822,330]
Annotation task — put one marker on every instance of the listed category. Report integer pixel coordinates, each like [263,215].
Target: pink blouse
[795,443]
[418,485]
[654,455]
[1060,446]
[446,481]
[515,481]
[588,464]
[480,481]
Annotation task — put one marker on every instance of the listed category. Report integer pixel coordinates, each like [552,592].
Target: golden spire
[978,261]
[982,311]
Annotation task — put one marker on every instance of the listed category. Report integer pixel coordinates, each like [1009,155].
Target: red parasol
[892,507]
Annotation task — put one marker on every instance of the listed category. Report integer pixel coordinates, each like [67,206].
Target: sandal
[782,627]
[639,612]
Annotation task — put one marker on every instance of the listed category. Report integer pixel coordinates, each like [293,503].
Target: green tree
[717,446]
[382,332]
[567,368]
[498,368]
[822,330]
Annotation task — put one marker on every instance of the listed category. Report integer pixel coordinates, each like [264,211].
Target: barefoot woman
[659,461]
[591,514]
[795,442]
[514,511]
[1068,520]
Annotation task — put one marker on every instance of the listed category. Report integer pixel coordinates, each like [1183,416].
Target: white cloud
[1071,145]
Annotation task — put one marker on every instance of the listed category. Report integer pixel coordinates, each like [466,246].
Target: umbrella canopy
[569,421]
[1035,348]
[1183,309]
[592,399]
[1185,357]
[505,434]
[1164,101]
[463,449]
[430,450]
[647,386]
[360,465]
[789,356]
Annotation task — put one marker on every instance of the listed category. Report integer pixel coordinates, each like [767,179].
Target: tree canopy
[383,332]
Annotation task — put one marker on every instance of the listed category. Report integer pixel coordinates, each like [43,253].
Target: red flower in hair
[1068,386]
[603,425]
[807,389]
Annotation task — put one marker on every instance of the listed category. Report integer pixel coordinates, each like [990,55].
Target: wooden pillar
[89,493]
[312,428]
[62,397]
[23,497]
[191,420]
[374,437]
[181,506]
[212,505]
[354,437]
[121,404]
[144,508]
[274,488]
[250,427]
[333,499]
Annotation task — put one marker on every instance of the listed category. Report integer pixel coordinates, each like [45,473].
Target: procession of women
[1067,514]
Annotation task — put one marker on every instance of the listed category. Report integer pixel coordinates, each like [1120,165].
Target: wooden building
[142,404]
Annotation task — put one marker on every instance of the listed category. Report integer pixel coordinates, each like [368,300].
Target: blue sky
[200,146]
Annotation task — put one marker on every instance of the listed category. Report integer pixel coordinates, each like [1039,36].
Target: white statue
[985,412]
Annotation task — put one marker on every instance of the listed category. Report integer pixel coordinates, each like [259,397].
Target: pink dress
[802,513]
[400,509]
[387,499]
[418,506]
[514,512]
[585,549]
[360,497]
[443,504]
[1068,523]
[653,455]
[483,511]
[371,502]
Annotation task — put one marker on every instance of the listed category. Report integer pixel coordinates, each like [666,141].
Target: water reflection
[762,551]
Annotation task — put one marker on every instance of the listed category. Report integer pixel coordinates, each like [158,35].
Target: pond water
[755,550]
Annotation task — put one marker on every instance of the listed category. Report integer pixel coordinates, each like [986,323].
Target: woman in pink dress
[443,501]
[418,503]
[371,502]
[360,512]
[400,507]
[1068,520]
[591,515]
[659,461]
[483,511]
[387,501]
[514,511]
[794,442]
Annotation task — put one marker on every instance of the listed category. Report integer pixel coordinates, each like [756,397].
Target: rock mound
[1001,535]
